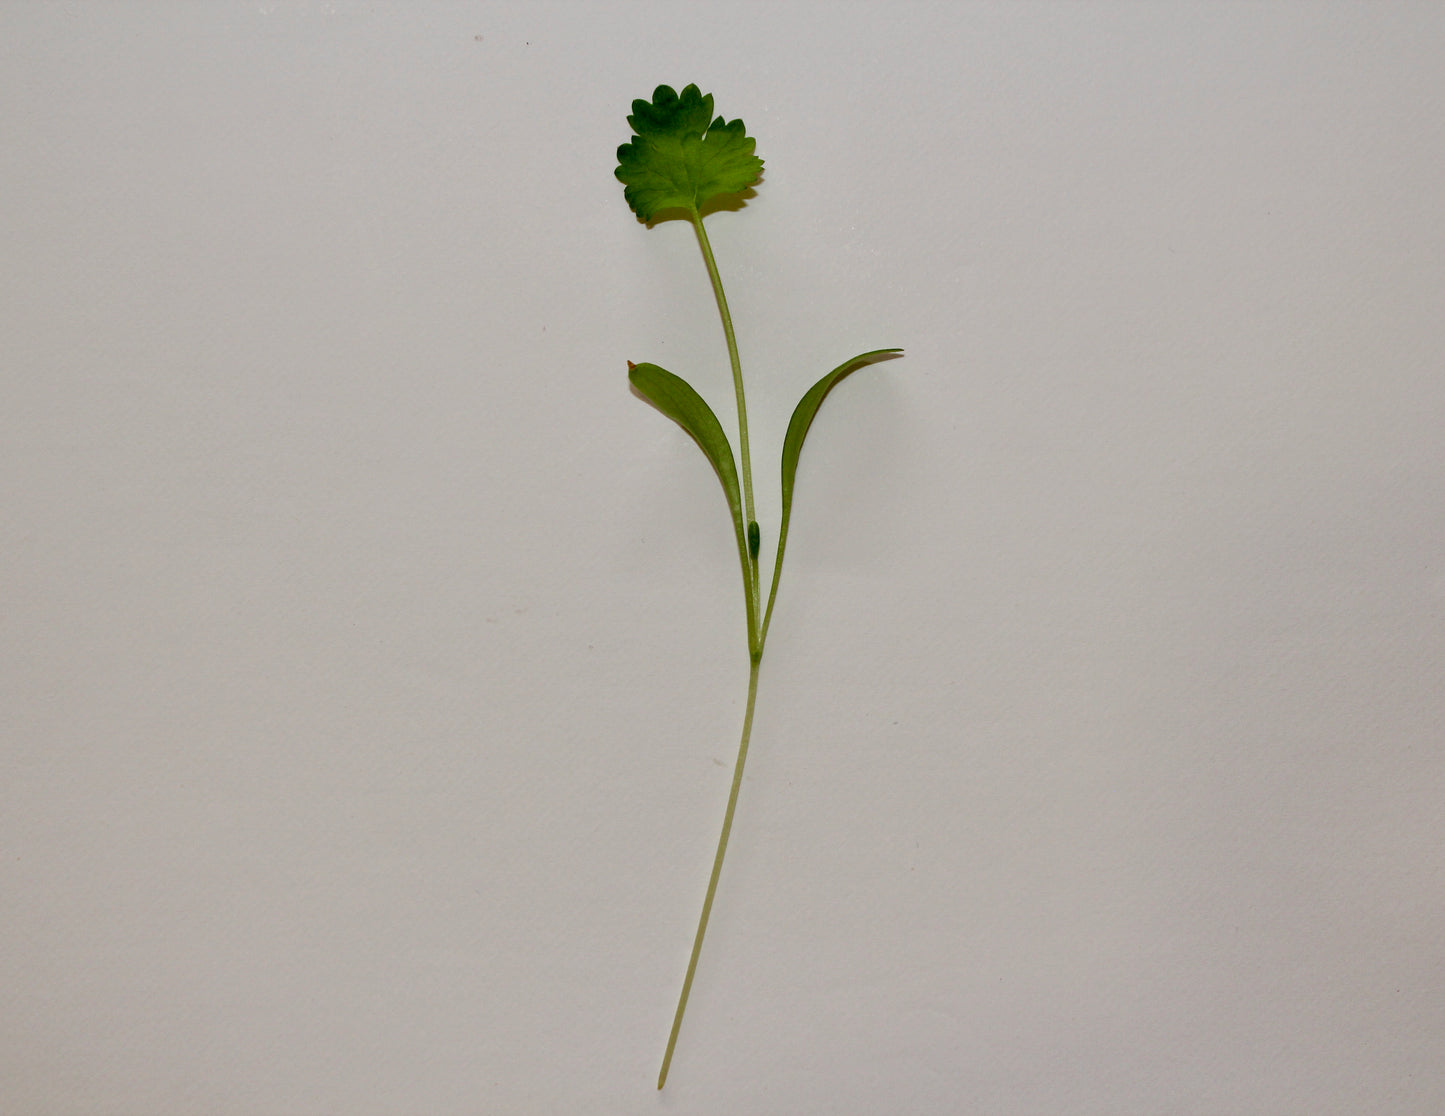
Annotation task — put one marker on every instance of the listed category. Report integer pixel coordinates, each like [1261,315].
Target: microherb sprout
[680,159]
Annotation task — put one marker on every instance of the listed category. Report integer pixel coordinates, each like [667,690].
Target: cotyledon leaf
[675,398]
[798,426]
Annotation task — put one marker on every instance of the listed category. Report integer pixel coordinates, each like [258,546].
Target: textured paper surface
[373,660]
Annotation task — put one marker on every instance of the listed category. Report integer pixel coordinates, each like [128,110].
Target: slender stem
[722,848]
[752,592]
[772,593]
[743,446]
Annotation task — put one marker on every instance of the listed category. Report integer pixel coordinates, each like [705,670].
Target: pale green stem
[753,589]
[752,593]
[717,863]
[772,593]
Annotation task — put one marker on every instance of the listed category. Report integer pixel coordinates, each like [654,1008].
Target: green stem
[752,594]
[773,592]
[717,863]
[752,587]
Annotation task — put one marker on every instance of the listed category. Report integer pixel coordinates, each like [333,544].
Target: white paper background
[373,659]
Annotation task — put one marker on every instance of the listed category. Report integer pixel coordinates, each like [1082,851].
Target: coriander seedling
[680,159]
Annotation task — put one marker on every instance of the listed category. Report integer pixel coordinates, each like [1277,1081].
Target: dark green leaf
[798,426]
[674,397]
[681,157]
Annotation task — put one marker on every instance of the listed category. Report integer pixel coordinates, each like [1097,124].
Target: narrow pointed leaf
[798,426]
[675,397]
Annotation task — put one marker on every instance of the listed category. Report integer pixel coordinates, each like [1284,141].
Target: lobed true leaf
[680,157]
